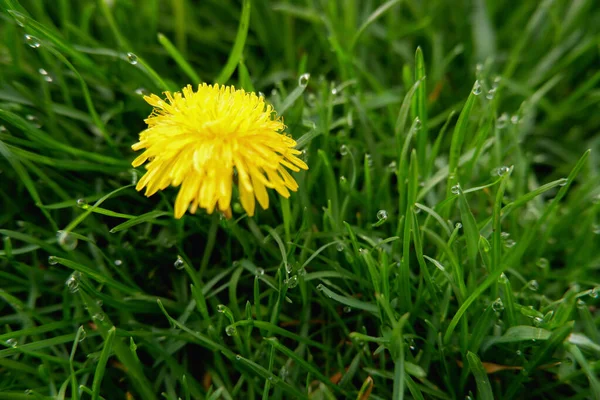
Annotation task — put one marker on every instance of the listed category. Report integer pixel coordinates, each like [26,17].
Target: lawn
[444,242]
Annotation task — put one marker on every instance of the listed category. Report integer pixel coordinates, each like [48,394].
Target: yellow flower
[202,140]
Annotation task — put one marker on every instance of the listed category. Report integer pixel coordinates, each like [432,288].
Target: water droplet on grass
[132,58]
[82,203]
[382,215]
[288,268]
[594,292]
[533,285]
[369,160]
[456,189]
[458,225]
[66,240]
[596,229]
[418,123]
[543,263]
[320,287]
[500,171]
[82,335]
[339,246]
[581,304]
[231,331]
[98,317]
[118,263]
[490,94]
[303,80]
[537,321]
[344,150]
[73,283]
[503,279]
[292,281]
[392,166]
[519,353]
[514,119]
[477,88]
[260,272]
[12,342]
[141,91]
[221,308]
[504,235]
[179,263]
[508,243]
[52,260]
[347,309]
[502,121]
[32,41]
[45,75]
[498,305]
[34,120]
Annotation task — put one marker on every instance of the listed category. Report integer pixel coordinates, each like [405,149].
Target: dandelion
[205,141]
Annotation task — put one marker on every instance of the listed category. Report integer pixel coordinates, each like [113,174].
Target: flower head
[202,140]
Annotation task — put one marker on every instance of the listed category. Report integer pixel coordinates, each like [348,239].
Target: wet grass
[443,245]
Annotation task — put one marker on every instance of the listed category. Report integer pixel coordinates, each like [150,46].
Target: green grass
[444,243]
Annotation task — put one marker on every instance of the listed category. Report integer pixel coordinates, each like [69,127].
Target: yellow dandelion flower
[201,140]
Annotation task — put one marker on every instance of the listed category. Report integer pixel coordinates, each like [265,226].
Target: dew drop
[73,283]
[179,263]
[498,305]
[303,80]
[344,150]
[456,189]
[563,182]
[500,171]
[98,317]
[581,304]
[508,243]
[458,225]
[343,180]
[52,260]
[301,272]
[82,203]
[503,279]
[533,285]
[334,91]
[12,342]
[260,272]
[537,321]
[221,308]
[45,75]
[32,41]
[514,119]
[288,268]
[477,88]
[320,287]
[369,159]
[141,91]
[292,281]
[596,229]
[543,263]
[519,353]
[594,292]
[18,17]
[339,246]
[3,128]
[82,334]
[504,235]
[418,123]
[392,166]
[132,58]
[382,215]
[502,121]
[231,331]
[66,240]
[34,120]
[99,302]
[118,263]
[490,94]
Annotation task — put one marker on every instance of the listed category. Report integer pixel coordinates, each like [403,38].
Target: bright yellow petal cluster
[203,140]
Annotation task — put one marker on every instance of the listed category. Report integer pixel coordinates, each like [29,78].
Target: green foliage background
[443,245]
